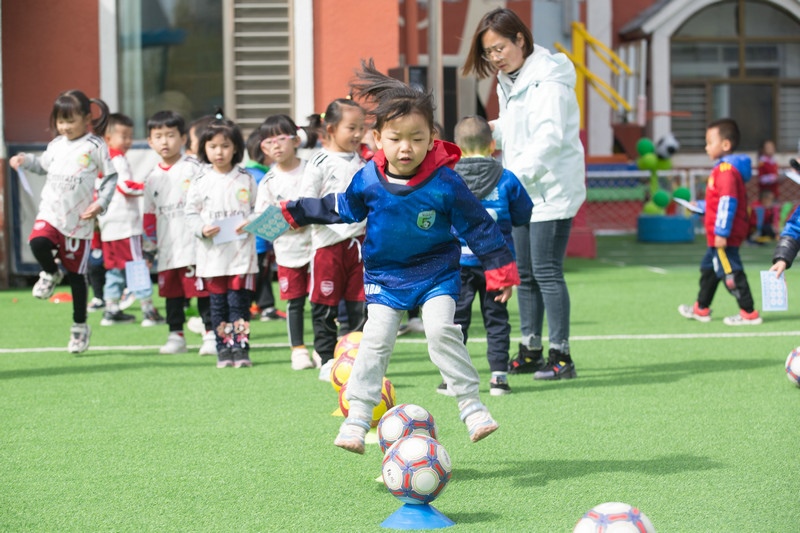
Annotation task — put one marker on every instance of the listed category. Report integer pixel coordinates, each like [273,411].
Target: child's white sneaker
[325,371]
[743,319]
[79,335]
[209,346]
[46,286]
[176,343]
[480,423]
[126,300]
[351,435]
[301,360]
[195,325]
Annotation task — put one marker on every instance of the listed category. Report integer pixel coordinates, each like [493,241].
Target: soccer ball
[388,400]
[667,146]
[416,469]
[347,343]
[341,370]
[614,517]
[793,367]
[404,420]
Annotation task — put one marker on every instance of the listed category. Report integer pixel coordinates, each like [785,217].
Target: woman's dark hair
[228,129]
[505,23]
[74,102]
[389,98]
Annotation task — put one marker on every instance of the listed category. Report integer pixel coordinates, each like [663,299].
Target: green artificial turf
[694,423]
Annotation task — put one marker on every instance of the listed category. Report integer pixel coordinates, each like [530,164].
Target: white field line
[421,340]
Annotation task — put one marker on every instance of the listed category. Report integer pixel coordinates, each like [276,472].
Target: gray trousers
[445,347]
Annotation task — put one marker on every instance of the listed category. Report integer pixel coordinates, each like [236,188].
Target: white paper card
[774,296]
[137,275]
[688,205]
[227,230]
[269,225]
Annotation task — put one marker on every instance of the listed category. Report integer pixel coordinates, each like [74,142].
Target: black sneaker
[527,361]
[241,357]
[111,319]
[498,386]
[225,357]
[442,389]
[557,367]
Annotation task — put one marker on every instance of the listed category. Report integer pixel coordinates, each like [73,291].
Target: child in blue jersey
[506,200]
[411,198]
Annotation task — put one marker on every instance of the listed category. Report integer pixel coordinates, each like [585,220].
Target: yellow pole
[579,53]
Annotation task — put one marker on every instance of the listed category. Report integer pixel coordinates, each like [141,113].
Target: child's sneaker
[559,366]
[480,423]
[442,389]
[46,286]
[79,335]
[112,319]
[316,358]
[527,361]
[152,318]
[225,358]
[96,305]
[301,360]
[195,325]
[694,311]
[176,343]
[270,313]
[127,300]
[498,386]
[209,346]
[743,319]
[241,357]
[325,371]
[351,435]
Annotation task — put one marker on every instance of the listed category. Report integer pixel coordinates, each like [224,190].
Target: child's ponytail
[100,123]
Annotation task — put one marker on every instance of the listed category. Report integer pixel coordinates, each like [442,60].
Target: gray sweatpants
[445,347]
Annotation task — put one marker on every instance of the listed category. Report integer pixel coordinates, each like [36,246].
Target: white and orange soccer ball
[416,469]
[388,400]
[614,517]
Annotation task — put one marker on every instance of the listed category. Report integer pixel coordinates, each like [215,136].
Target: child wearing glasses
[293,248]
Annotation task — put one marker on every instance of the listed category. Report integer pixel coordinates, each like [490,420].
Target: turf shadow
[539,472]
[648,374]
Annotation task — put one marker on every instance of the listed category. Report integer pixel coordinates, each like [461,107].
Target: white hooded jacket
[539,133]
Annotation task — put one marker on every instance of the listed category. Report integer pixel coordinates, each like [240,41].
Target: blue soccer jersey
[410,253]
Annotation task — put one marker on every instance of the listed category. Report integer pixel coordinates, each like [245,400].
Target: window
[170,57]
[739,59]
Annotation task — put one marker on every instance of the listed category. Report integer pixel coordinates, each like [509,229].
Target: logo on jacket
[83,160]
[426,219]
[243,195]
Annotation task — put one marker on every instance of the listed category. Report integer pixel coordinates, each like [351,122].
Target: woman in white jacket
[538,131]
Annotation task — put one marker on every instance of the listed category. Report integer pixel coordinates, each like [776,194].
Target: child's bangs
[66,107]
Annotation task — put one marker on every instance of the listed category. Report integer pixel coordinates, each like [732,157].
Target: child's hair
[504,23]
[119,119]
[166,119]
[74,102]
[335,111]
[229,130]
[275,125]
[762,146]
[473,135]
[728,131]
[198,125]
[253,146]
[310,135]
[390,97]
